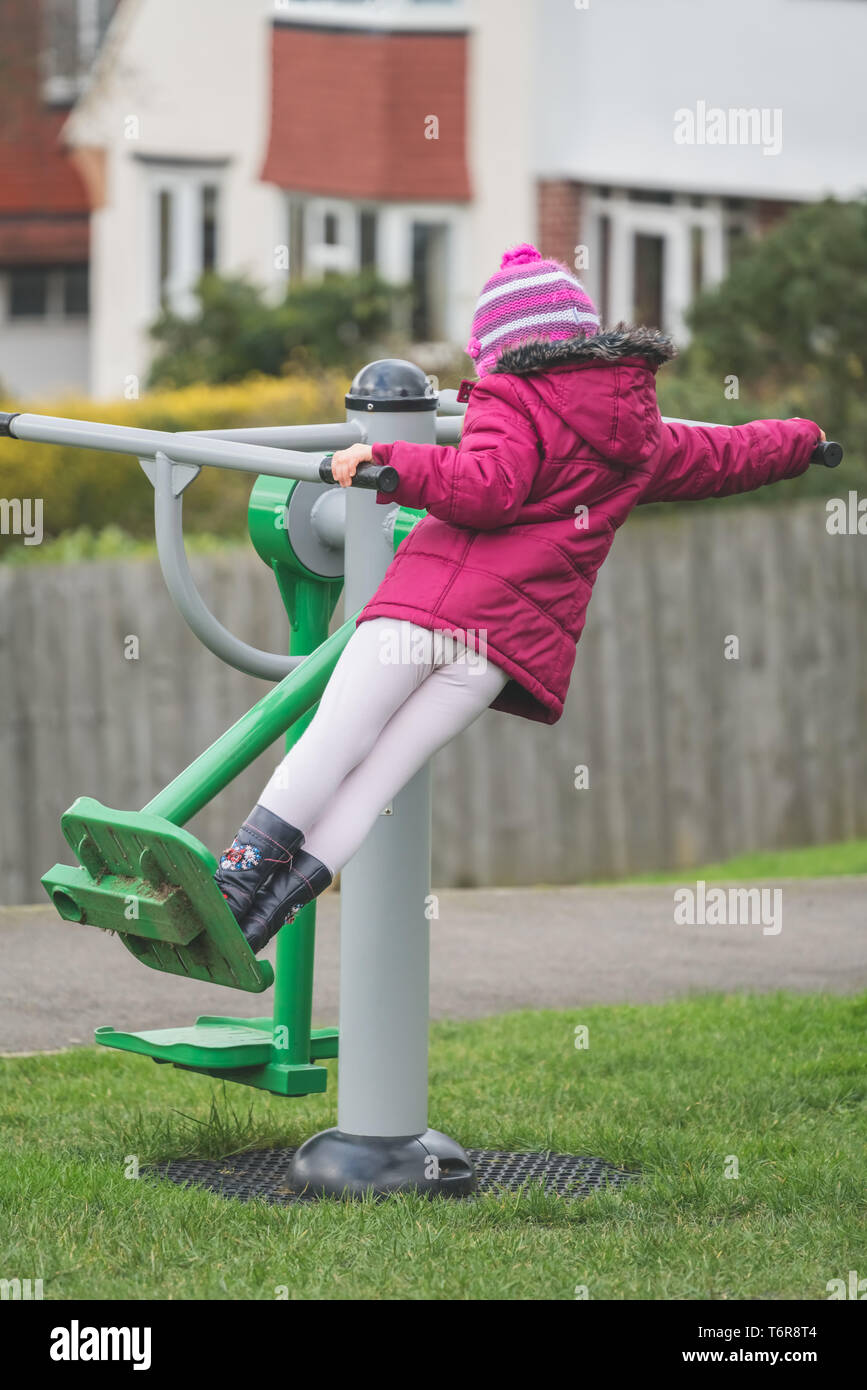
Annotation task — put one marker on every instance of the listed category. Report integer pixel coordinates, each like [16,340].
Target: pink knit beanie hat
[528,298]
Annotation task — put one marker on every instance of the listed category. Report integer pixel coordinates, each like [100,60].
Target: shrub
[83,487]
[690,389]
[330,322]
[792,314]
[790,322]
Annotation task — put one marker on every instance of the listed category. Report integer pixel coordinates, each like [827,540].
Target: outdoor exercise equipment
[143,876]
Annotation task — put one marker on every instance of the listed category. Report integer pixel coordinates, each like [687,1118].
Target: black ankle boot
[264,844]
[284,895]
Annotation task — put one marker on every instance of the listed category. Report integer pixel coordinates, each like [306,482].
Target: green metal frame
[153,884]
[144,877]
[150,881]
[405,519]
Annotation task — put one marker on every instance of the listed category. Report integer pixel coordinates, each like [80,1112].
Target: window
[696,258]
[367,239]
[52,292]
[649,195]
[330,237]
[72,31]
[652,255]
[296,240]
[76,291]
[407,244]
[28,293]
[736,242]
[429,250]
[604,272]
[164,219]
[649,261]
[210,194]
[184,211]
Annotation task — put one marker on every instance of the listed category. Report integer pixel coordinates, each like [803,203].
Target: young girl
[486,598]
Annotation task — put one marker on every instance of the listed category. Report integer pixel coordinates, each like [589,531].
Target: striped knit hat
[528,298]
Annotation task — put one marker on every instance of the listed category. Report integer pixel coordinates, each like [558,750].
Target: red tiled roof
[51,238]
[37,177]
[36,174]
[349,112]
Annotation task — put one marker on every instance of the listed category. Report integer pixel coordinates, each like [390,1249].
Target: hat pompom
[474,347]
[522,254]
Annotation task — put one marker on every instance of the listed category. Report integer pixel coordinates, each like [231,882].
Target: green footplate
[152,883]
[237,1049]
[206,1043]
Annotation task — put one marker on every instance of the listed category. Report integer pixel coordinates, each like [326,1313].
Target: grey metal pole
[382,1141]
[384,932]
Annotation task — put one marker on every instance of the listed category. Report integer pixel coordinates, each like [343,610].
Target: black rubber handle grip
[828,453]
[376,477]
[6,419]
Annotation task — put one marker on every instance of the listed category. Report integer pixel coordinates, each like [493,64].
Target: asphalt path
[492,950]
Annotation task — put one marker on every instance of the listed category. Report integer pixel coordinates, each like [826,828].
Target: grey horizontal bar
[449,404]
[181,448]
[703,424]
[327,437]
[449,429]
[449,426]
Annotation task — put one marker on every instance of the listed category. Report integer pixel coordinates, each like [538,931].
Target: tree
[795,307]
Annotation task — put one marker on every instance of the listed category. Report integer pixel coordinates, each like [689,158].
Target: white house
[642,143]
[681,128]
[169,138]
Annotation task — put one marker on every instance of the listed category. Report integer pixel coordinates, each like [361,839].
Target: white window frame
[61,88]
[393,260]
[673,222]
[184,181]
[374,14]
[54,311]
[344,255]
[394,255]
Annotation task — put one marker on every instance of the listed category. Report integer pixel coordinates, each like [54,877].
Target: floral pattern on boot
[240,856]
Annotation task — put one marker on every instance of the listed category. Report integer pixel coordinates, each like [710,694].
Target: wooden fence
[718,704]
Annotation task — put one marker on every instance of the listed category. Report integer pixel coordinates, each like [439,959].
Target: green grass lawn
[809,861]
[675,1089]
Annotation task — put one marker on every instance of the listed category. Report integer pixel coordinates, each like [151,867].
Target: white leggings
[397,694]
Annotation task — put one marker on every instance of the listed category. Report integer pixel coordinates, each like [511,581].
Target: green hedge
[86,488]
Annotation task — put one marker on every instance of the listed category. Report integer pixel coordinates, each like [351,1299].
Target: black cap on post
[391,384]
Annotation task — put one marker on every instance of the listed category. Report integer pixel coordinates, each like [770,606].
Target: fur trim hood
[613,345]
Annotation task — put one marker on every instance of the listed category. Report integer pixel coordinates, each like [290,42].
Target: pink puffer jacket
[559,443]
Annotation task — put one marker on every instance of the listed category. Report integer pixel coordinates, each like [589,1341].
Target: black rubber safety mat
[264,1173]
